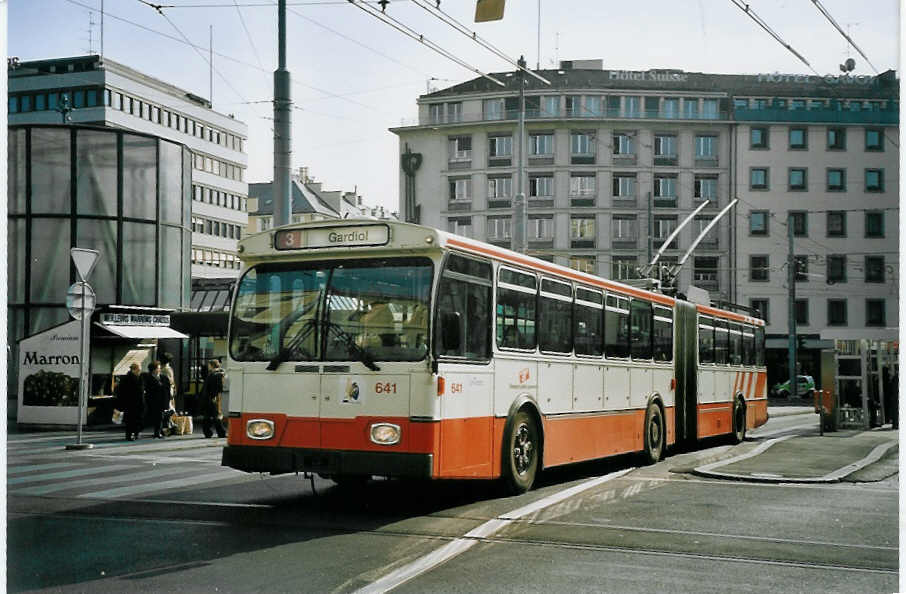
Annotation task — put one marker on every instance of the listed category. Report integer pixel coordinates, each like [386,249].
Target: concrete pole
[282,128]
[791,269]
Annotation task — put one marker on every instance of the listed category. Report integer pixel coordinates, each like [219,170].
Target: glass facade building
[124,194]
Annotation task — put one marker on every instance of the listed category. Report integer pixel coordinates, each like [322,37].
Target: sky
[355,77]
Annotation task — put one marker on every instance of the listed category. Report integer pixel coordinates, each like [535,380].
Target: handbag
[117,417]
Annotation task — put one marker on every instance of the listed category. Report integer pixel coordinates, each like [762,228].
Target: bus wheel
[522,447]
[654,434]
[739,422]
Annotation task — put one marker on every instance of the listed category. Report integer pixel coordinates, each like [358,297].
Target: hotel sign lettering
[810,79]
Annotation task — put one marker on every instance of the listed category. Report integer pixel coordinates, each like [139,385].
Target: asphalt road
[135,519]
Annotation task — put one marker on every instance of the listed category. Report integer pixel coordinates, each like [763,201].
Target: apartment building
[616,159]
[100,91]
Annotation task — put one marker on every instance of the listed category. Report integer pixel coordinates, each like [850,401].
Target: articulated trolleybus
[361,348]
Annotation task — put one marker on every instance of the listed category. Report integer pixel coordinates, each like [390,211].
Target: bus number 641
[385,388]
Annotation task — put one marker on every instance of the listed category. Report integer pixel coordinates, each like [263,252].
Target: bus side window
[516,300]
[705,341]
[721,342]
[555,310]
[465,290]
[735,344]
[589,320]
[663,333]
[616,327]
[640,324]
[759,346]
[748,346]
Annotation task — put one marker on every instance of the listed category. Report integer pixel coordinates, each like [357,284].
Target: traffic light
[800,342]
[488,10]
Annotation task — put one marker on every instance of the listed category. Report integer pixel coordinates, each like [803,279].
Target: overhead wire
[845,35]
[758,20]
[406,30]
[248,35]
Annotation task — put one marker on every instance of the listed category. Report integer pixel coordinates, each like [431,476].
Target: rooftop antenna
[91,25]
[102,29]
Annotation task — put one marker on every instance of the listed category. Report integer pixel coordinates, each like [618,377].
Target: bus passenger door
[685,356]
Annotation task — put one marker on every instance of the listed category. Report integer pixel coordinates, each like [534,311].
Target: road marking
[161,486]
[761,448]
[33,478]
[105,480]
[201,503]
[30,467]
[471,538]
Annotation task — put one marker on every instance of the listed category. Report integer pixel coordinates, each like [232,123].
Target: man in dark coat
[130,399]
[157,393]
[211,393]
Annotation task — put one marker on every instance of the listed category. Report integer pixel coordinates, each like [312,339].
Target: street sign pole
[80,300]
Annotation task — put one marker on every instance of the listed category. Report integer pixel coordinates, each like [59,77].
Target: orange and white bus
[360,348]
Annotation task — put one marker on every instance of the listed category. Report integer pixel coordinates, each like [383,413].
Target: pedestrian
[157,394]
[167,370]
[130,400]
[211,394]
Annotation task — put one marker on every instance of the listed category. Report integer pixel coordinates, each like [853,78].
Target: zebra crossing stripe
[34,478]
[30,467]
[93,482]
[161,486]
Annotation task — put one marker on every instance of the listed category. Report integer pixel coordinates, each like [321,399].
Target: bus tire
[522,447]
[654,434]
[739,422]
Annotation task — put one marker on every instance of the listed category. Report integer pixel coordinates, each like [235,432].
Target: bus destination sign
[321,237]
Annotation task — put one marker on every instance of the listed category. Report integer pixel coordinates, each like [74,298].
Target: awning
[143,331]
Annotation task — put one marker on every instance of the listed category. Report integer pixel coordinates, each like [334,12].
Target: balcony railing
[817,115]
[571,114]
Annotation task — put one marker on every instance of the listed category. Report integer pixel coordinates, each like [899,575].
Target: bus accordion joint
[441,386]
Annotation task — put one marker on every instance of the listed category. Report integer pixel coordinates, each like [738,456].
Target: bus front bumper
[279,460]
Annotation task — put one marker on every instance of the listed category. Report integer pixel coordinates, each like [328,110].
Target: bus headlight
[260,429]
[385,433]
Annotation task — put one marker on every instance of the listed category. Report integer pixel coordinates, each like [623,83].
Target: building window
[875,312]
[592,106]
[586,264]
[494,109]
[801,307]
[704,273]
[500,187]
[836,223]
[761,308]
[706,147]
[665,146]
[741,103]
[454,112]
[758,138]
[460,226]
[670,108]
[540,228]
[632,107]
[836,269]
[500,146]
[436,113]
[874,139]
[541,145]
[541,186]
[624,229]
[623,144]
[874,180]
[709,109]
[705,188]
[461,189]
[582,143]
[836,180]
[801,266]
[582,228]
[874,224]
[798,181]
[709,241]
[874,269]
[758,178]
[836,312]
[759,103]
[758,222]
[799,219]
[623,186]
[582,185]
[624,267]
[836,139]
[797,105]
[499,228]
[798,139]
[550,106]
[663,227]
[759,268]
[460,148]
[665,187]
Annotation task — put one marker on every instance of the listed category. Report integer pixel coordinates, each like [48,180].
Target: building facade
[99,91]
[615,160]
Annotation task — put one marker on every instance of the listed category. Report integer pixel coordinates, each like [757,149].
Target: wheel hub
[523,449]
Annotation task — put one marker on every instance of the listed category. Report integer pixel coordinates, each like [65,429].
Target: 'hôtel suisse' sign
[322,237]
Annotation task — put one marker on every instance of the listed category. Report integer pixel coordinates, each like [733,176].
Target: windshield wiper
[294,345]
[349,341]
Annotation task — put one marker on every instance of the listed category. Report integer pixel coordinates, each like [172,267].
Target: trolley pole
[791,270]
[282,127]
[520,219]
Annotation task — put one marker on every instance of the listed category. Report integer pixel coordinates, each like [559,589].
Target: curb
[832,477]
[779,411]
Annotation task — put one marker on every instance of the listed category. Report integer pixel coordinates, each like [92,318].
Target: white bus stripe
[161,486]
[467,541]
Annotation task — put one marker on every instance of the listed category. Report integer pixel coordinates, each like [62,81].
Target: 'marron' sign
[48,389]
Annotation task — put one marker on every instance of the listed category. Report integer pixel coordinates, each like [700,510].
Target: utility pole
[282,126]
[791,270]
[211,63]
[520,220]
[650,229]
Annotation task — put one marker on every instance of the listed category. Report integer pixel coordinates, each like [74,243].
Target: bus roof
[341,237]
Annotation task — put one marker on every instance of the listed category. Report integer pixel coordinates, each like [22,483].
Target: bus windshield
[359,310]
